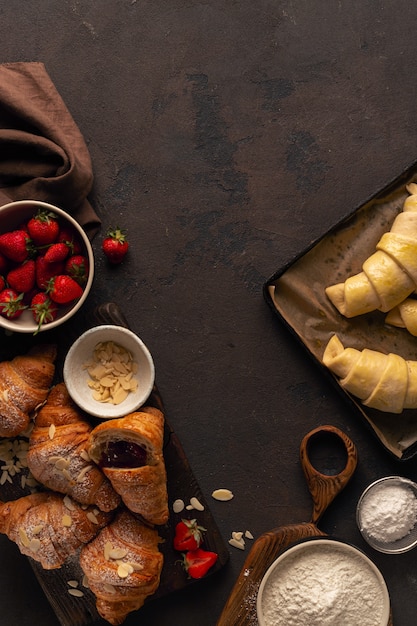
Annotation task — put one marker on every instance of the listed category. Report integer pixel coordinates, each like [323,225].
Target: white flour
[323,586]
[388,512]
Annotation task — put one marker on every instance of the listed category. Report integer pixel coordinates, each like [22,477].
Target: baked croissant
[123,566]
[390,274]
[129,452]
[386,382]
[24,385]
[58,457]
[48,527]
[404,315]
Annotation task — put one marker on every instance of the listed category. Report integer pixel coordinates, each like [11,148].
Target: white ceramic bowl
[11,216]
[387,525]
[76,375]
[291,586]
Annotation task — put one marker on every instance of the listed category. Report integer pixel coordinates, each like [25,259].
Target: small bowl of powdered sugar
[387,515]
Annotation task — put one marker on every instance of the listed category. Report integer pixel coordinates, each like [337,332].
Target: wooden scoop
[240,608]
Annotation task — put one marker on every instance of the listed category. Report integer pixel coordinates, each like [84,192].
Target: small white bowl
[320,561]
[76,375]
[13,215]
[386,521]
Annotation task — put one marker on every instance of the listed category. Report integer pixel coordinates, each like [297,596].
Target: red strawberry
[11,305]
[15,245]
[57,252]
[22,277]
[63,289]
[45,271]
[188,535]
[115,246]
[198,562]
[43,309]
[77,267]
[70,237]
[43,228]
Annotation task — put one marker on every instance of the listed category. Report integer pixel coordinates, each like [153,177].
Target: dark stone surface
[227,136]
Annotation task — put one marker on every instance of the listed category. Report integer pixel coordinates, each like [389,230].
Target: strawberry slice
[198,562]
[188,535]
[11,305]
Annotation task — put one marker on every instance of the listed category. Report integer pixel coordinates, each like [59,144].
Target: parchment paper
[299,298]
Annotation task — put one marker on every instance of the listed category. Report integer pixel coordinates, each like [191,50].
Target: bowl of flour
[386,514]
[323,582]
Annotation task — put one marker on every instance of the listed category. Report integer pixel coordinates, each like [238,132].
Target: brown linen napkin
[43,155]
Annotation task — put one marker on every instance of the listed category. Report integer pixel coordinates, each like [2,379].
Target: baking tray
[181,483]
[296,293]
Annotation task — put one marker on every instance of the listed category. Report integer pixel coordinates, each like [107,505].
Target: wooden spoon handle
[325,488]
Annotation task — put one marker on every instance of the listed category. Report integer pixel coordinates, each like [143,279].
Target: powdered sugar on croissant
[386,382]
[24,385]
[129,452]
[123,566]
[48,527]
[58,456]
[390,274]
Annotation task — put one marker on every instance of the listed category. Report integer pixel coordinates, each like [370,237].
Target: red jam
[123,454]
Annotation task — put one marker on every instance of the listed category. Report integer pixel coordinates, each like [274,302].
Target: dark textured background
[227,136]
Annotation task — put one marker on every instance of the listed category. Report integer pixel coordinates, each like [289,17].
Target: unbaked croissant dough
[404,315]
[386,382]
[24,385]
[58,457]
[48,527]
[129,452]
[123,566]
[390,274]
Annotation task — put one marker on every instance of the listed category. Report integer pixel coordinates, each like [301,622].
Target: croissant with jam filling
[58,457]
[129,452]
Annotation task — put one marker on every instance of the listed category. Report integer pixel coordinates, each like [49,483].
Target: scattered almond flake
[189,507]
[128,567]
[107,549]
[137,567]
[123,570]
[34,544]
[77,593]
[92,517]
[6,395]
[37,529]
[66,520]
[237,544]
[51,431]
[24,537]
[83,472]
[67,475]
[248,534]
[61,463]
[178,505]
[85,582]
[109,588]
[237,535]
[117,553]
[69,503]
[72,583]
[84,455]
[223,495]
[196,504]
